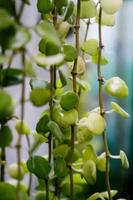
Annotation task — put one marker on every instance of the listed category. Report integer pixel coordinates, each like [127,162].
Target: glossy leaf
[124,159]
[119,110]
[91,47]
[61,151]
[116,87]
[70,53]
[39,166]
[45,7]
[69,100]
[5,136]
[55,130]
[48,48]
[42,125]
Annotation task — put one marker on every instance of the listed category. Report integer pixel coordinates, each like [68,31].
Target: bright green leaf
[124,159]
[119,110]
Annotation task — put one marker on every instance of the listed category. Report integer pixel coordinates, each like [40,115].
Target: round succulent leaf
[89,171]
[111,6]
[61,151]
[7,191]
[70,53]
[63,29]
[116,87]
[6,105]
[39,166]
[5,136]
[55,130]
[124,159]
[45,7]
[91,47]
[22,127]
[88,9]
[48,48]
[89,154]
[119,110]
[104,61]
[65,118]
[12,170]
[101,162]
[69,100]
[42,125]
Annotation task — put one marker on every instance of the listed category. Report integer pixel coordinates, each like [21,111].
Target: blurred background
[118,48]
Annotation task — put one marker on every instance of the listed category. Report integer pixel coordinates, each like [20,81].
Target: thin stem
[74,75]
[30,174]
[3,159]
[18,146]
[47,188]
[87,29]
[100,79]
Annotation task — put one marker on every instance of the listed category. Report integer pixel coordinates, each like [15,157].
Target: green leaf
[41,93]
[89,154]
[39,166]
[116,87]
[105,194]
[91,47]
[21,38]
[62,78]
[42,125]
[60,167]
[83,134]
[47,30]
[104,61]
[83,85]
[29,69]
[5,20]
[124,159]
[23,195]
[5,136]
[61,151]
[69,10]
[6,106]
[8,5]
[4,59]
[70,53]
[48,47]
[111,6]
[69,100]
[44,61]
[7,192]
[22,127]
[107,20]
[101,162]
[119,110]
[55,130]
[11,76]
[88,9]
[89,171]
[45,7]
[61,3]
[94,196]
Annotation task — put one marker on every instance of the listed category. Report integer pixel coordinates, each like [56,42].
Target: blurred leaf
[29,69]
[4,59]
[7,192]
[124,159]
[101,162]
[70,53]
[21,38]
[89,171]
[12,76]
[44,61]
[89,154]
[39,166]
[45,7]
[6,21]
[48,48]
[83,85]
[47,30]
[105,194]
[62,78]
[90,47]
[61,151]
[104,61]
[5,136]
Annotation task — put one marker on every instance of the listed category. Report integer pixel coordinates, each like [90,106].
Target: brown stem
[100,79]
[18,146]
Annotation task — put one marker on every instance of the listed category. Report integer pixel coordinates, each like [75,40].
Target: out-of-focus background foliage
[118,42]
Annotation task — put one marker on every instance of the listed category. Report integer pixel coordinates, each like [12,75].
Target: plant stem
[100,79]
[3,159]
[74,75]
[87,29]
[18,146]
[30,154]
[47,188]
